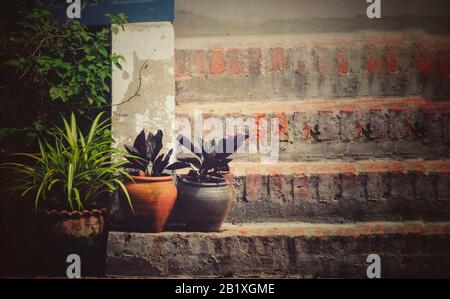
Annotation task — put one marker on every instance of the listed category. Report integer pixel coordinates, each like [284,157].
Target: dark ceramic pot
[204,206]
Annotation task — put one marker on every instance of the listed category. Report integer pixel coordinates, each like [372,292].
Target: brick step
[306,65]
[341,191]
[359,128]
[406,249]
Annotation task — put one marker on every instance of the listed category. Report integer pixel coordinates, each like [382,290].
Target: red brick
[373,65]
[180,63]
[391,56]
[198,60]
[391,65]
[322,60]
[253,185]
[255,61]
[423,61]
[234,63]
[296,60]
[277,58]
[217,62]
[423,65]
[301,187]
[283,126]
[276,187]
[343,65]
[260,126]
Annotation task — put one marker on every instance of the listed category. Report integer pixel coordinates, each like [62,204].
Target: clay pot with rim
[153,199]
[61,233]
[204,206]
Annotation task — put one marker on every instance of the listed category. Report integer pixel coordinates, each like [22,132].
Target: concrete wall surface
[244,17]
[143,91]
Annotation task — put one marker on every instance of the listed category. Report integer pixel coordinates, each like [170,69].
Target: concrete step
[406,249]
[312,65]
[341,191]
[320,129]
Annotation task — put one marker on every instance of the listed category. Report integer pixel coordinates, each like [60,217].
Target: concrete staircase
[364,127]
[285,250]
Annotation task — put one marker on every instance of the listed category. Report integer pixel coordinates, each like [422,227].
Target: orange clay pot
[153,199]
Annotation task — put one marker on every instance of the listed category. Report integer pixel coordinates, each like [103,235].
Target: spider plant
[72,169]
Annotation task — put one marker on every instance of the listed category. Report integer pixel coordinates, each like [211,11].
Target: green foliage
[69,61]
[72,169]
[55,68]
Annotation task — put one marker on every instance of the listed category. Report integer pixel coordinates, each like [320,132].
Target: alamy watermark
[264,135]
[374,9]
[374,269]
[74,9]
[74,268]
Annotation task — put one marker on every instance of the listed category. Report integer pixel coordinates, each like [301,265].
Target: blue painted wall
[136,10]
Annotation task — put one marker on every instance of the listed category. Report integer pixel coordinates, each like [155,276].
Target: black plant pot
[203,207]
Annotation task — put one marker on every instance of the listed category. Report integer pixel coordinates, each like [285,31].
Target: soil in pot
[203,207]
[153,199]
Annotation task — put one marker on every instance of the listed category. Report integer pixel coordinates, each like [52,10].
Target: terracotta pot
[61,233]
[204,206]
[153,199]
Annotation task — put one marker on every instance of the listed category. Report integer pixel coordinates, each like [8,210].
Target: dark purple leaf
[157,166]
[191,160]
[154,145]
[178,165]
[139,144]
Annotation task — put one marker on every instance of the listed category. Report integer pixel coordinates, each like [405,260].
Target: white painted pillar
[154,106]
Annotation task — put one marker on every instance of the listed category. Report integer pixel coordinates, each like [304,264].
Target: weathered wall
[196,18]
[148,71]
[343,87]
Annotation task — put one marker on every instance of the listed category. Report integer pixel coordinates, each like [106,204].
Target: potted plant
[68,184]
[204,194]
[151,189]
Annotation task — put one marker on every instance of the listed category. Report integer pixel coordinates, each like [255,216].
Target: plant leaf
[178,165]
[140,145]
[157,166]
[191,160]
[156,145]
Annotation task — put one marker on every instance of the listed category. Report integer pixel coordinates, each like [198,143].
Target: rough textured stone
[351,66]
[329,126]
[378,124]
[269,249]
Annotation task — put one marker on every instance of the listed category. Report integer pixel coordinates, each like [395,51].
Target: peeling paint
[153,107]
